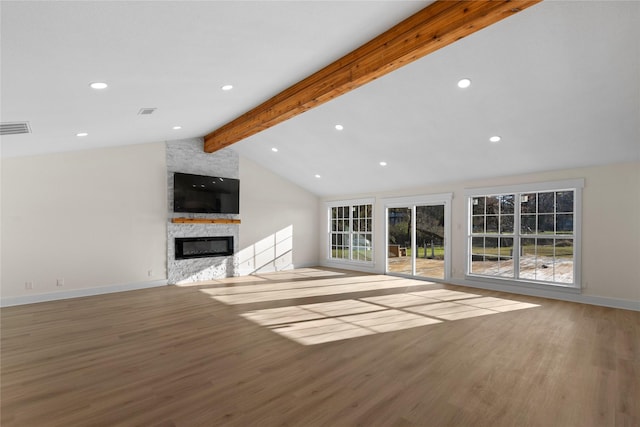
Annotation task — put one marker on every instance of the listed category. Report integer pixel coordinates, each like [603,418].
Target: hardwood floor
[273,350]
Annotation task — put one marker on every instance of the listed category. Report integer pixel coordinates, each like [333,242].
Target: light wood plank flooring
[316,347]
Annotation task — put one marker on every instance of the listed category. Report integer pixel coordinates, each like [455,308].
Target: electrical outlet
[28,285]
[60,282]
[149,273]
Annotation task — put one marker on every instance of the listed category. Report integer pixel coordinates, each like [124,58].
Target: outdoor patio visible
[425,267]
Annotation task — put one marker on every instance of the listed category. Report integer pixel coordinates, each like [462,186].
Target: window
[525,233]
[351,231]
[492,234]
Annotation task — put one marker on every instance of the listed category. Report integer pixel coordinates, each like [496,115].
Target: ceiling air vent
[146,111]
[14,128]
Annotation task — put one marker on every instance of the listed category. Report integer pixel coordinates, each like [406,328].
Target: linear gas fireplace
[203,247]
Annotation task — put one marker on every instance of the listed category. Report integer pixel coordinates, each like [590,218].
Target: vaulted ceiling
[558,82]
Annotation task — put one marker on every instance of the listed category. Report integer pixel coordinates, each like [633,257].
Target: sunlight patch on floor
[389,320]
[257,278]
[302,289]
[291,314]
[322,331]
[450,310]
[318,323]
[342,327]
[445,294]
[223,282]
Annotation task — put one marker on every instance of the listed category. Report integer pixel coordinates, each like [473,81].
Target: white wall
[279,222]
[98,219]
[95,218]
[610,231]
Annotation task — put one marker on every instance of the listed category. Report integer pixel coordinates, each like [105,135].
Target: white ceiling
[559,82]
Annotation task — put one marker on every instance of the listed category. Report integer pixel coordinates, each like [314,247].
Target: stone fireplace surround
[188,156]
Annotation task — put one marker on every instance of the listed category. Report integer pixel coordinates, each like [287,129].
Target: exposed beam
[432,28]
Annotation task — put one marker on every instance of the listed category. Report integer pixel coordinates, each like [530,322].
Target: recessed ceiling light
[227,87]
[274,149]
[317,176]
[464,83]
[495,138]
[98,85]
[383,163]
[176,127]
[82,134]
[339,127]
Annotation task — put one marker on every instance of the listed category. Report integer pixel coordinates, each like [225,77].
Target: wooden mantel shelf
[204,221]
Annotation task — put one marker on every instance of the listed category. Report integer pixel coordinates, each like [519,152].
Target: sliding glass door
[430,250]
[399,240]
[418,236]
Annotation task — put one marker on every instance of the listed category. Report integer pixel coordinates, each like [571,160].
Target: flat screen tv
[205,194]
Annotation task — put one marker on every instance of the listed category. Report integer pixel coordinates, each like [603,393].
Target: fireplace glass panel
[203,247]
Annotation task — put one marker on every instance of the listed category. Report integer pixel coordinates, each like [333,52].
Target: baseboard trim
[77,293]
[553,294]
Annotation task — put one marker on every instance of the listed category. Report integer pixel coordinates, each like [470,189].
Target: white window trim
[574,184]
[351,202]
[525,188]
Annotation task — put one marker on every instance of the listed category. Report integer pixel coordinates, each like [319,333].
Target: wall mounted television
[205,194]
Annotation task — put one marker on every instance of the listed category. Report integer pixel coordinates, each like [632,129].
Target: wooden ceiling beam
[432,28]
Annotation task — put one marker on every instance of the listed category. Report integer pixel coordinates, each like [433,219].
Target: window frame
[350,232]
[575,185]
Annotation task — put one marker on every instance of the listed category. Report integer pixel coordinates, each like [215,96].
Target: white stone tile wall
[188,156]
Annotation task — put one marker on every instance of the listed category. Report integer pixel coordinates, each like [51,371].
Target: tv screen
[205,194]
